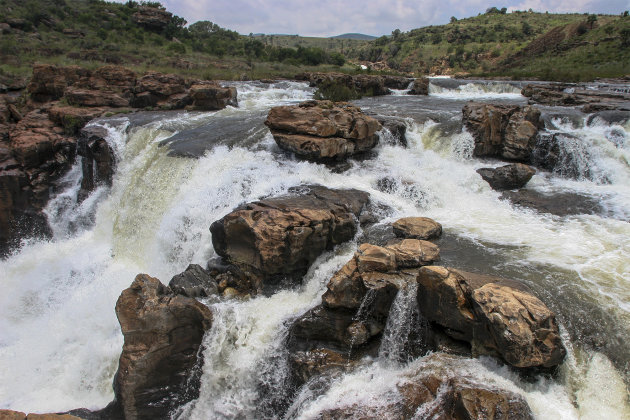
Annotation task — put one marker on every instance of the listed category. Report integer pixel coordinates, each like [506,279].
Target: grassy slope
[487,45]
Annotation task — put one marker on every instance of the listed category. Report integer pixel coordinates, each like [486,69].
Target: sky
[373,17]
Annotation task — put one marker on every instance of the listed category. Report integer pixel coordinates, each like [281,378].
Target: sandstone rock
[113,77]
[211,96]
[194,282]
[284,235]
[163,333]
[412,253]
[307,364]
[152,18]
[370,85]
[49,82]
[321,130]
[420,86]
[94,98]
[417,228]
[363,84]
[504,131]
[397,128]
[73,119]
[508,177]
[17,415]
[497,316]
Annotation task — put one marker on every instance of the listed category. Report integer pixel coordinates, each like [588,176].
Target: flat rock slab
[558,204]
[417,228]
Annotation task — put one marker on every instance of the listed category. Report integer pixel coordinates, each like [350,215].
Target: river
[178,172]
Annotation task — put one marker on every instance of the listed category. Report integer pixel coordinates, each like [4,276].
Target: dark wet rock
[503,131]
[508,177]
[558,204]
[163,333]
[282,236]
[323,130]
[363,84]
[420,86]
[497,316]
[417,228]
[397,127]
[194,282]
[73,119]
[98,161]
[152,18]
[316,362]
[565,155]
[397,82]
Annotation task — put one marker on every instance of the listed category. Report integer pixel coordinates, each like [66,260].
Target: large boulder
[508,177]
[322,130]
[163,333]
[98,161]
[49,82]
[503,131]
[282,236]
[497,316]
[211,96]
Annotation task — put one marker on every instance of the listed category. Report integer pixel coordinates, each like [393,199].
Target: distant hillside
[144,35]
[513,44]
[346,46]
[361,37]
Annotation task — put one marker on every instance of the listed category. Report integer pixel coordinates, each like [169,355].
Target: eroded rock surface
[508,177]
[420,86]
[323,130]
[417,228]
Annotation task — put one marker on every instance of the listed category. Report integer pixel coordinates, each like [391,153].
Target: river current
[178,172]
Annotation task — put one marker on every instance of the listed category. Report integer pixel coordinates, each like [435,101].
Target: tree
[453,19]
[591,20]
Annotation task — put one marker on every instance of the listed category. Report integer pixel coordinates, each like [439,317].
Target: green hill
[361,37]
[496,44]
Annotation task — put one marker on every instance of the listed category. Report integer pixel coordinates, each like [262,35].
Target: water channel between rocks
[178,172]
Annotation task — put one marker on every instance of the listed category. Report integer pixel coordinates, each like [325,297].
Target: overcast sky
[372,17]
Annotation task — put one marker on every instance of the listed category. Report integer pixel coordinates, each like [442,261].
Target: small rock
[508,177]
[194,282]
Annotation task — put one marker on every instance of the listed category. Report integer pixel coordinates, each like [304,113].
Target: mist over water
[60,340]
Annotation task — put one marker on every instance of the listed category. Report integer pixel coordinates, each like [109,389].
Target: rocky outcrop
[363,84]
[420,86]
[604,97]
[194,282]
[355,306]
[397,82]
[211,96]
[497,316]
[417,227]
[163,333]
[503,131]
[508,177]
[17,415]
[152,18]
[282,236]
[322,130]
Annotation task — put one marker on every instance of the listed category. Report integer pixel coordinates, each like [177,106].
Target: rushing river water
[178,172]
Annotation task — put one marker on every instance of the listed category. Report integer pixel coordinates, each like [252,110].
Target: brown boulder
[504,131]
[284,235]
[417,228]
[73,119]
[94,98]
[163,333]
[211,96]
[508,177]
[17,415]
[321,130]
[420,86]
[49,82]
[497,316]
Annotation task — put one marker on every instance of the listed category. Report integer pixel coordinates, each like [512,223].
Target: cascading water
[60,339]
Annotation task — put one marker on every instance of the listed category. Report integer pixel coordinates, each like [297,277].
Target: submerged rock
[322,130]
[508,177]
[503,131]
[558,204]
[497,316]
[163,333]
[282,236]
